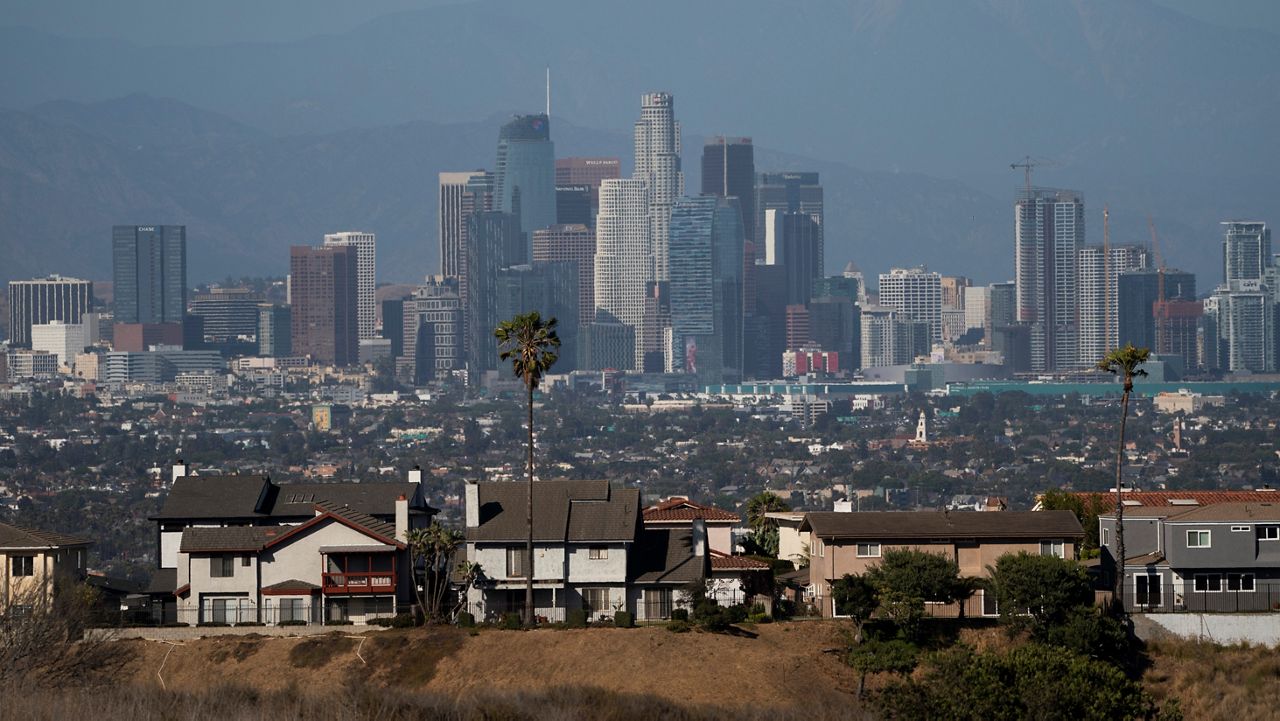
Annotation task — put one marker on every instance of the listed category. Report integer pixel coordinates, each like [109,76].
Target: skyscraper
[657,163]
[275,331]
[729,171]
[1048,233]
[1246,250]
[793,240]
[457,201]
[576,244]
[492,237]
[891,337]
[366,277]
[325,320]
[917,292]
[149,267]
[44,300]
[1099,296]
[706,288]
[624,263]
[793,193]
[573,206]
[432,330]
[1246,323]
[551,289]
[525,174]
[1137,292]
[589,172]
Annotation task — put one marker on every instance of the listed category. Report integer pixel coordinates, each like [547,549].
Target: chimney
[179,470]
[698,538]
[472,501]
[402,518]
[415,474]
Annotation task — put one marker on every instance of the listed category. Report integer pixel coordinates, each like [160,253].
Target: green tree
[1123,362]
[877,656]
[532,346]
[856,597]
[906,578]
[764,530]
[433,548]
[1040,591]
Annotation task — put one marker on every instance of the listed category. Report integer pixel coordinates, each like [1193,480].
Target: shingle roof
[19,537]
[937,524]
[163,580]
[683,509]
[577,511]
[251,497]
[665,556]
[292,584]
[199,497]
[230,538]
[379,497]
[363,520]
[721,561]
[1244,512]
[1189,498]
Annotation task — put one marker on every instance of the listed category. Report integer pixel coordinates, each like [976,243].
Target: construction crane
[1107,280]
[1160,311]
[1155,252]
[1026,165]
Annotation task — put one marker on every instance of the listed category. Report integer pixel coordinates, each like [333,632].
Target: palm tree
[531,344]
[1123,362]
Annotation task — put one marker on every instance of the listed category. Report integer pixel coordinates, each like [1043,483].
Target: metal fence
[1210,593]
[246,613]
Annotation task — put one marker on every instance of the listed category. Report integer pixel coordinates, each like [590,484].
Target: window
[1197,539]
[868,550]
[515,563]
[595,600]
[822,548]
[222,610]
[989,605]
[1052,548]
[1106,536]
[1239,581]
[1208,582]
[1240,529]
[293,609]
[222,567]
[598,553]
[1147,591]
[244,561]
[23,565]
[657,603]
[1269,533]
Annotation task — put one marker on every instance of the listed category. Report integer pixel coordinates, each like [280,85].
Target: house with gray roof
[35,565]
[1219,557]
[237,549]
[592,551]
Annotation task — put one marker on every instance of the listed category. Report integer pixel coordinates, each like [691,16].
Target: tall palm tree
[531,344]
[1123,362]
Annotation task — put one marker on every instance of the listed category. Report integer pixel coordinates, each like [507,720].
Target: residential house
[591,551]
[854,542]
[247,549]
[1218,557]
[793,546]
[35,564]
[680,512]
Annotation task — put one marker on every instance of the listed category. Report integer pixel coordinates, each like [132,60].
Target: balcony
[359,583]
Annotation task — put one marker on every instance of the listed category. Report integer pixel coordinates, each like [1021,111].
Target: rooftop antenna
[548,92]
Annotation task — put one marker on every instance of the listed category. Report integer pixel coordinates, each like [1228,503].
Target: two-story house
[237,549]
[591,551]
[34,564]
[852,543]
[1220,557]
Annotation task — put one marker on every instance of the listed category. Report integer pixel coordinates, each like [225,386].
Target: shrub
[466,619]
[213,624]
[512,622]
[760,618]
[294,622]
[736,613]
[175,624]
[678,626]
[342,622]
[251,623]
[404,620]
[623,619]
[576,618]
[679,614]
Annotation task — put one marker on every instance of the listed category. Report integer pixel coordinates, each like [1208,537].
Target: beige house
[852,543]
[680,512]
[33,565]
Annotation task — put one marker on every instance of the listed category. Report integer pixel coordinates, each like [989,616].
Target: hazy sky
[154,22]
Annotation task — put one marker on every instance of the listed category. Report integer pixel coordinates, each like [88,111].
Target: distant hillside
[68,171]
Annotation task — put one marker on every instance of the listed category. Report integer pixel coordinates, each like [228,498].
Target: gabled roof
[349,517]
[251,539]
[1243,512]
[246,498]
[682,509]
[210,497]
[17,537]
[1187,498]
[721,561]
[941,525]
[563,511]
[290,586]
[231,539]
[665,556]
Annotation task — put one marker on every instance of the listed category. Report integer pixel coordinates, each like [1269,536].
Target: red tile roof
[1189,498]
[683,509]
[721,561]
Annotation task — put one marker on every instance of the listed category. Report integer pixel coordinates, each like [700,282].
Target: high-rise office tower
[852,271]
[917,292]
[706,288]
[493,237]
[766,327]
[575,244]
[431,330]
[977,307]
[393,324]
[1177,324]
[729,171]
[791,193]
[458,199]
[275,330]
[891,337]
[1048,233]
[841,286]
[525,175]
[953,287]
[366,246]
[325,318]
[44,300]
[551,289]
[835,325]
[657,163]
[1246,250]
[149,267]
[1003,299]
[573,206]
[1099,296]
[228,314]
[793,240]
[589,172]
[1137,292]
[624,264]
